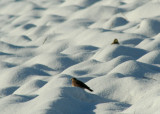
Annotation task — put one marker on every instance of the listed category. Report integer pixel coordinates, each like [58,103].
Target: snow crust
[43,44]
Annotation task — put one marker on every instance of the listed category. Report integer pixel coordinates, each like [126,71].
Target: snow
[43,44]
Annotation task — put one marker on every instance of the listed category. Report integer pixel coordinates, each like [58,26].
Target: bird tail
[90,89]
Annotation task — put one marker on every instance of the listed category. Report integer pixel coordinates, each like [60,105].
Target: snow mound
[136,69]
[113,88]
[150,44]
[95,68]
[99,12]
[151,9]
[43,44]
[115,22]
[112,51]
[82,3]
[144,102]
[151,57]
[30,87]
[149,27]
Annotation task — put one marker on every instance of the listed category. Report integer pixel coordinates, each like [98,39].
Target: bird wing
[82,85]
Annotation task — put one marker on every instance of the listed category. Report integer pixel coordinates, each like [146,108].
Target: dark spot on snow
[29,26]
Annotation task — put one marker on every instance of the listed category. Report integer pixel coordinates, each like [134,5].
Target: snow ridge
[43,44]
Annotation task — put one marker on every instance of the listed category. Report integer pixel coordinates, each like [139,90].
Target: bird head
[73,79]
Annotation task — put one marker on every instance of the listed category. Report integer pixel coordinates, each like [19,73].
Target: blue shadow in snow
[29,26]
[2,53]
[8,91]
[23,98]
[34,70]
[26,38]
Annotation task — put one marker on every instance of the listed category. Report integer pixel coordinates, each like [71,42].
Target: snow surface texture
[43,44]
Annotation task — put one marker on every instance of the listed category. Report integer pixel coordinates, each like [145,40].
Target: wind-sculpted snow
[43,44]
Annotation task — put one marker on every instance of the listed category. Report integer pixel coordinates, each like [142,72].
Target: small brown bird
[115,41]
[77,83]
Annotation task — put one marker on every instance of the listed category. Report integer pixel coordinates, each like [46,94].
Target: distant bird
[78,83]
[115,41]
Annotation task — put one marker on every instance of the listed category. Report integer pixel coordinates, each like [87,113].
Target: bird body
[115,41]
[78,83]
